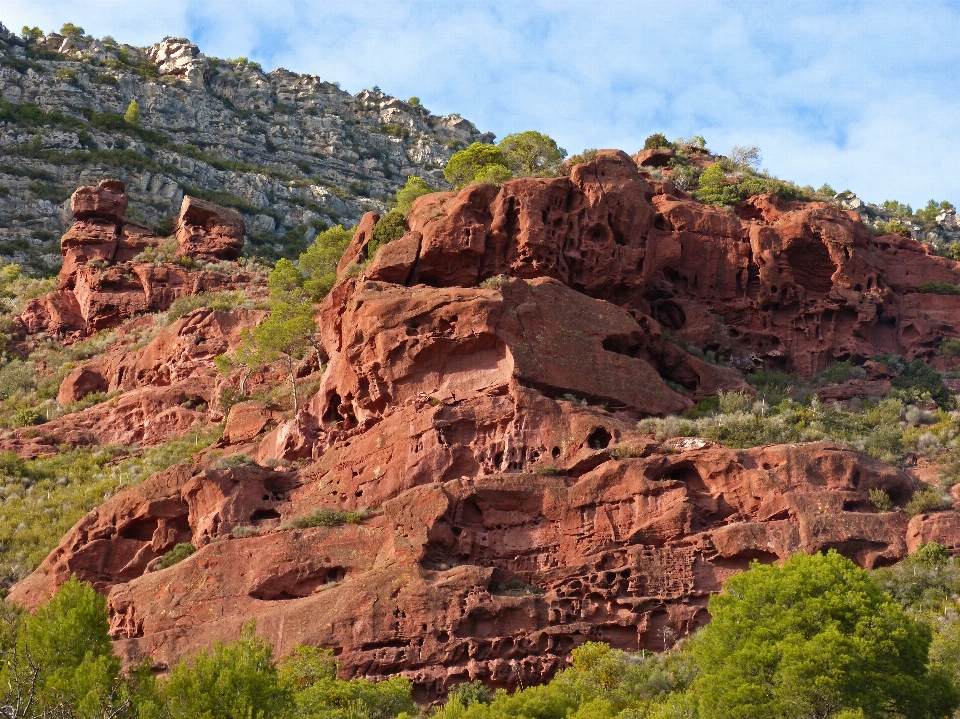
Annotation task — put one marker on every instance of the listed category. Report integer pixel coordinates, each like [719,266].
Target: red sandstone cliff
[510,521]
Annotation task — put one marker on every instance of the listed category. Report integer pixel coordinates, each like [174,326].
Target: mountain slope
[291,152]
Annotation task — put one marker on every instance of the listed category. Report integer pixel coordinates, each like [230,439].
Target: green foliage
[494,175]
[326,518]
[132,115]
[894,227]
[928,215]
[716,189]
[223,301]
[917,381]
[931,555]
[813,638]
[44,497]
[390,227]
[61,658]
[31,34]
[928,500]
[319,262]
[312,674]
[231,681]
[177,554]
[415,187]
[656,141]
[826,191]
[414,101]
[880,500]
[71,30]
[529,154]
[949,347]
[466,164]
[931,287]
[469,693]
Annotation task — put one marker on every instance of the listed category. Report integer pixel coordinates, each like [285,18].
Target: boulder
[107,201]
[208,232]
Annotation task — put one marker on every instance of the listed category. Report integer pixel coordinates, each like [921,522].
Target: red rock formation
[206,231]
[485,375]
[493,577]
[794,285]
[101,285]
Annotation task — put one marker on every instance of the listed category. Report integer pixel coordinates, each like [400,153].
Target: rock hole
[599,438]
[555,453]
[262,515]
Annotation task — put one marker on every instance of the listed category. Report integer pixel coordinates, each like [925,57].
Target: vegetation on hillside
[816,637]
[522,154]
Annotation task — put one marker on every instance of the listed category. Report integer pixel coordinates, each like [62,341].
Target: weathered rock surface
[291,150]
[495,576]
[793,285]
[101,283]
[484,377]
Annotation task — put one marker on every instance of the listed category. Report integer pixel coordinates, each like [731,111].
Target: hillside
[481,427]
[293,153]
[549,412]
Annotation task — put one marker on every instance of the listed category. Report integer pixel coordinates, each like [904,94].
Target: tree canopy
[532,154]
[813,638]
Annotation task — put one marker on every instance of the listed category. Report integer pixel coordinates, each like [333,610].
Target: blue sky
[862,95]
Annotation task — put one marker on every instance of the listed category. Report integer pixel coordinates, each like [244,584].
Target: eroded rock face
[495,576]
[209,232]
[101,284]
[484,377]
[793,285]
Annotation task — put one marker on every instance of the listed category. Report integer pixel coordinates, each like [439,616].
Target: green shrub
[928,500]
[949,347]
[223,301]
[880,500]
[469,693]
[390,227]
[938,288]
[655,141]
[106,80]
[177,554]
[27,417]
[132,115]
[415,187]
[325,518]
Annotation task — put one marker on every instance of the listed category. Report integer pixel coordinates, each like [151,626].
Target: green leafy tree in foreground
[60,661]
[231,681]
[816,638]
[132,115]
[531,154]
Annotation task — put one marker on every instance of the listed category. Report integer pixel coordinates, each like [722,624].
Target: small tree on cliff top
[532,154]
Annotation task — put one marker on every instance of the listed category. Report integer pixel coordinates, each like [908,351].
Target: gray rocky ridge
[291,152]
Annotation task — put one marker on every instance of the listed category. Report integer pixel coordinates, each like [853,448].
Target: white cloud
[858,94]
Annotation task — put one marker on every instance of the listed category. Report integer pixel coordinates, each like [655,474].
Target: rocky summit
[292,153]
[467,493]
